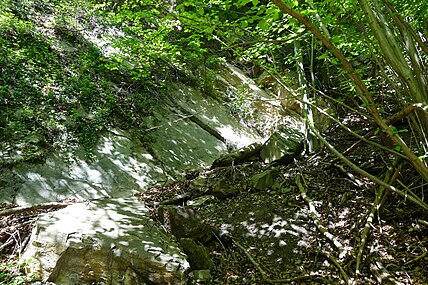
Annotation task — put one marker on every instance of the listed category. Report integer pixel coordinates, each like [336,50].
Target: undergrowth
[62,84]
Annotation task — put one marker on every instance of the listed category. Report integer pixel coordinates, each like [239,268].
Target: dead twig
[373,178]
[381,273]
[393,171]
[417,258]
[253,261]
[338,266]
[272,281]
[316,220]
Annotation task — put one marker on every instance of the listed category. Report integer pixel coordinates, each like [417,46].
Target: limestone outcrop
[104,242]
[186,132]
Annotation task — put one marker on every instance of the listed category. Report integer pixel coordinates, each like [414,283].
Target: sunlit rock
[104,242]
[239,156]
[119,168]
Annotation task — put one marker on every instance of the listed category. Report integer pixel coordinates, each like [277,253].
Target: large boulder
[104,242]
[283,145]
[198,255]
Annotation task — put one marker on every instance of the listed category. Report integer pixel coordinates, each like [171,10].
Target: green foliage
[67,84]
[70,70]
[57,87]
[12,274]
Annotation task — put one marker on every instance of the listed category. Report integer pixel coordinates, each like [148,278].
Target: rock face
[187,132]
[120,167]
[282,146]
[112,240]
[104,242]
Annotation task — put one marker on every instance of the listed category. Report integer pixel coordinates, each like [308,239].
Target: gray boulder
[104,242]
[183,222]
[283,145]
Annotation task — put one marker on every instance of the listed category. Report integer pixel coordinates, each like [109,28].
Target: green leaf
[275,15]
[242,3]
[263,25]
[200,10]
[422,157]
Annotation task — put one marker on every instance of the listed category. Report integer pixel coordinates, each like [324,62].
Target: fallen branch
[381,273]
[255,263]
[272,281]
[338,266]
[8,242]
[370,217]
[299,279]
[23,209]
[316,220]
[417,258]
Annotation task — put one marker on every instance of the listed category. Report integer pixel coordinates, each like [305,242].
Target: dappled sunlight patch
[87,235]
[118,167]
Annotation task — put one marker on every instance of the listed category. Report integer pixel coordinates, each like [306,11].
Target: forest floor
[273,237]
[276,236]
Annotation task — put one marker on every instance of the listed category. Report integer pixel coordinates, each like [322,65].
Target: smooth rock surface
[110,241]
[120,167]
[212,115]
[185,133]
[181,145]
